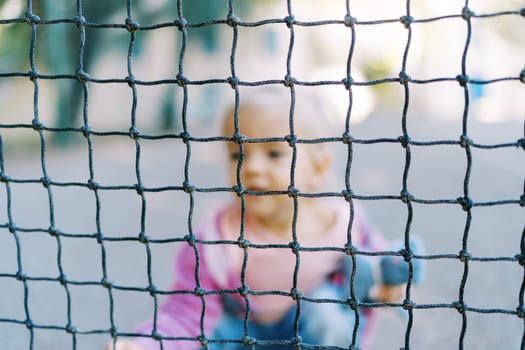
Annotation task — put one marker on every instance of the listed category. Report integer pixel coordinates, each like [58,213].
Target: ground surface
[436,172]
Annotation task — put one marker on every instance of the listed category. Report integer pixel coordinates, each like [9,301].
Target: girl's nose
[252,165]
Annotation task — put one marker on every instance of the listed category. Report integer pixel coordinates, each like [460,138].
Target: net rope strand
[240,190]
[465,201]
[132,26]
[404,79]
[348,81]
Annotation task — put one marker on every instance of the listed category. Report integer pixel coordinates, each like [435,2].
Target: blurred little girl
[280,282]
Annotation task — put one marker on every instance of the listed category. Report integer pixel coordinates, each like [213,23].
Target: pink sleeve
[180,314]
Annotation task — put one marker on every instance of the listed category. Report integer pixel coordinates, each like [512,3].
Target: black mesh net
[56,279]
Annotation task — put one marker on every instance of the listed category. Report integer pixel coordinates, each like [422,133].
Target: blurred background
[321,47]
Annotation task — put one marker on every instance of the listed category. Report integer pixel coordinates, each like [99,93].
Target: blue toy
[395,270]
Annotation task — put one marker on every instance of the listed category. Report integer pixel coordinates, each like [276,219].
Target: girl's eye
[235,155]
[275,154]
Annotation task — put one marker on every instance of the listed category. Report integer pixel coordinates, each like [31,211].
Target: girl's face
[266,166]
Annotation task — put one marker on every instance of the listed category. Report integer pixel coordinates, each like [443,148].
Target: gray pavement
[436,172]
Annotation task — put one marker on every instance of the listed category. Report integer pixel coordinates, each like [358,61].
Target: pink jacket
[267,269]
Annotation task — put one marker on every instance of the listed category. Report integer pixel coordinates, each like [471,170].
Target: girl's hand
[124,345]
[390,293]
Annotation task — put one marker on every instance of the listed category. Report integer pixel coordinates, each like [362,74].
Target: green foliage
[57,45]
[14,50]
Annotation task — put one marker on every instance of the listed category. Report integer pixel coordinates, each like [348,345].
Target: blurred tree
[58,48]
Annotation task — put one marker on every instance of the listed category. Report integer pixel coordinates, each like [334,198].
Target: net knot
[291,139]
[185,136]
[33,74]
[53,232]
[86,130]
[407,21]
[232,20]
[100,237]
[521,259]
[11,227]
[182,80]
[289,81]
[156,335]
[132,25]
[462,79]
[352,303]
[292,192]
[465,141]
[404,78]
[181,23]
[37,125]
[244,290]
[408,304]
[233,81]
[46,181]
[4,178]
[289,20]
[243,243]
[140,189]
[464,256]
[203,340]
[106,283]
[522,12]
[348,195]
[249,341]
[188,187]
[80,21]
[520,311]
[130,79]
[460,306]
[238,138]
[521,143]
[190,239]
[347,138]
[92,185]
[152,290]
[350,249]
[465,202]
[404,140]
[81,75]
[239,189]
[522,200]
[350,21]
[407,254]
[406,197]
[134,133]
[113,331]
[296,294]
[297,342]
[467,13]
[198,291]
[20,276]
[295,247]
[71,329]
[348,82]
[522,73]
[32,18]
[143,238]
[62,279]
[29,324]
